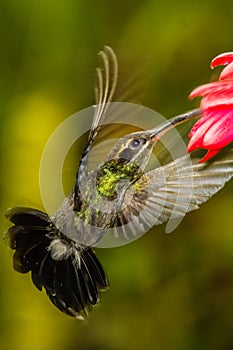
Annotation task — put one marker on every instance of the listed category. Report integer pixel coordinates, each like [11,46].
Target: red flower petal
[222,59]
[204,118]
[209,88]
[219,99]
[196,140]
[209,155]
[227,72]
[215,129]
[220,133]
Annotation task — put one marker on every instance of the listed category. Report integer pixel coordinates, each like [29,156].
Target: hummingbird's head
[123,165]
[133,148]
[136,148]
[128,158]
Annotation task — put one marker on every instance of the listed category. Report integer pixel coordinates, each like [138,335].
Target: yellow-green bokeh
[167,291]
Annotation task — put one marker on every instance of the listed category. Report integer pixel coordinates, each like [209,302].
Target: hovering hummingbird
[58,250]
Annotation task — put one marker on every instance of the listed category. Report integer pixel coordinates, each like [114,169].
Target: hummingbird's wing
[106,75]
[106,82]
[169,192]
[105,87]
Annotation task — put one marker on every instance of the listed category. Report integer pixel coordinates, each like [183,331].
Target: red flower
[214,130]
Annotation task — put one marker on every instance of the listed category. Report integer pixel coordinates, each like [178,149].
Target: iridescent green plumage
[111,174]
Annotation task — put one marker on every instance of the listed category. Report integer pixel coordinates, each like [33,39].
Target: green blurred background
[167,291]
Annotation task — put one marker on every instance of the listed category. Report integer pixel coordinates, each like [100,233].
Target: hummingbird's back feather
[71,275]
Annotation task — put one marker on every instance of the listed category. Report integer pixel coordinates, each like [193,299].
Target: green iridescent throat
[110,175]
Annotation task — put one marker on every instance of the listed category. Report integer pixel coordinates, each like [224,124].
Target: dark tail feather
[72,276]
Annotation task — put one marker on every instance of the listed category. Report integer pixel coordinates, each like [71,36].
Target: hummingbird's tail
[71,275]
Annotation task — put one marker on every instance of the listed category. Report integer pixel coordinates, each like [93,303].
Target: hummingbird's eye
[131,148]
[134,143]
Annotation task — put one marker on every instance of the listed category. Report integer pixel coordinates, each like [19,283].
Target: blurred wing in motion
[107,75]
[169,192]
[105,87]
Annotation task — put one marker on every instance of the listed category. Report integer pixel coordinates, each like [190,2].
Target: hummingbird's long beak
[159,131]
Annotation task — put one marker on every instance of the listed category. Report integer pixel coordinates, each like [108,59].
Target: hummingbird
[117,194]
